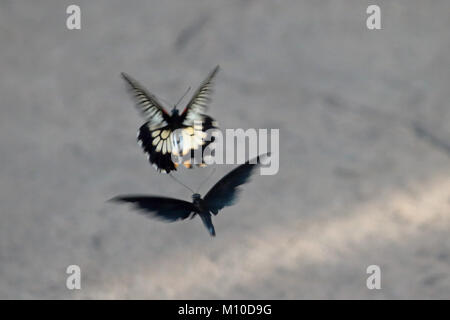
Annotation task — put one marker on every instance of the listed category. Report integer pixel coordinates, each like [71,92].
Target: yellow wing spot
[169,146]
[165,134]
[155,133]
[189,131]
[159,146]
[164,147]
[155,141]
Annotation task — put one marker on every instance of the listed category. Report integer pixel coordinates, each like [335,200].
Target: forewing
[224,193]
[198,104]
[147,104]
[167,209]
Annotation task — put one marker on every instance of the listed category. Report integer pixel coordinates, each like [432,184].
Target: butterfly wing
[196,108]
[167,209]
[154,136]
[157,144]
[147,104]
[224,193]
[196,123]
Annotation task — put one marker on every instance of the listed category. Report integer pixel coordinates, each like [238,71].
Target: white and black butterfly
[222,194]
[165,135]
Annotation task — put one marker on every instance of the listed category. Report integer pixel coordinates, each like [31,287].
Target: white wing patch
[162,141]
[187,139]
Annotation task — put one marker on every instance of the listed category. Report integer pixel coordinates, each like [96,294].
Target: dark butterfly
[159,137]
[223,194]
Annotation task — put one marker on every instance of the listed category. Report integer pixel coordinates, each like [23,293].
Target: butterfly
[224,193]
[165,135]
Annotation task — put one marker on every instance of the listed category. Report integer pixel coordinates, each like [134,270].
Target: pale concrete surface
[365,149]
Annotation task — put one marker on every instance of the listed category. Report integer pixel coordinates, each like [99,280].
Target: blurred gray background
[364,141]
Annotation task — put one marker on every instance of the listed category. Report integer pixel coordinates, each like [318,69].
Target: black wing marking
[198,104]
[224,193]
[147,104]
[158,145]
[167,209]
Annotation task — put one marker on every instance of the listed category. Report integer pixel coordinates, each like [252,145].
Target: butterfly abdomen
[207,222]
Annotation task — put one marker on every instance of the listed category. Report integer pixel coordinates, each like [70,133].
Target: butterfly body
[164,135]
[223,193]
[199,203]
[202,210]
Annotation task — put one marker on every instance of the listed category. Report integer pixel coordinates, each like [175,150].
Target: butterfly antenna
[207,178]
[170,175]
[163,100]
[182,97]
